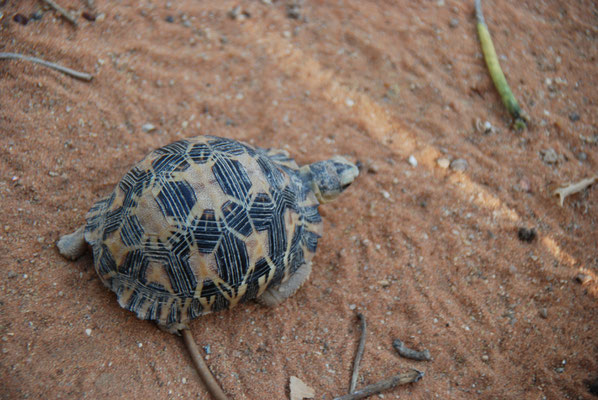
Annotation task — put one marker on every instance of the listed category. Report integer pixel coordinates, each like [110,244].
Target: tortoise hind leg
[277,294]
[202,368]
[73,245]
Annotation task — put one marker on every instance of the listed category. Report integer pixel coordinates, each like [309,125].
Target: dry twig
[201,367]
[385,384]
[406,352]
[64,70]
[61,11]
[573,188]
[359,354]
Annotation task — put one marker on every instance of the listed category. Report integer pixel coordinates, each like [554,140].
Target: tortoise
[205,223]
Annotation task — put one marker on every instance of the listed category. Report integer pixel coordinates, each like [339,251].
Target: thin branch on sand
[66,15]
[75,74]
[359,354]
[385,384]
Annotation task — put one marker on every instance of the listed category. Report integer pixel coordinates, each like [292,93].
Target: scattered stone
[373,168]
[169,19]
[299,390]
[207,349]
[543,313]
[460,164]
[412,161]
[385,194]
[237,13]
[384,283]
[443,163]
[485,357]
[294,10]
[36,16]
[20,19]
[148,127]
[526,234]
[453,23]
[88,332]
[523,185]
[88,16]
[574,117]
[184,381]
[349,102]
[549,156]
[582,278]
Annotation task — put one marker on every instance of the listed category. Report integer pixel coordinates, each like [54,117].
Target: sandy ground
[429,254]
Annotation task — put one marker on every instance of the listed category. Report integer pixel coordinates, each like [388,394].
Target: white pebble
[385,194]
[443,163]
[412,161]
[349,102]
[88,332]
[148,127]
[140,344]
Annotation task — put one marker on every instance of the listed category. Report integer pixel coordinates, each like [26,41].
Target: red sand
[429,255]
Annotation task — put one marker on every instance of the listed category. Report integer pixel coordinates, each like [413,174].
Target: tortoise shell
[201,225]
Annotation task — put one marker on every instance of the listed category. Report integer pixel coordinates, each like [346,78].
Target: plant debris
[573,188]
[406,352]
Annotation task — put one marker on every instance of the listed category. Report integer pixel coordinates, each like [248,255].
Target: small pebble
[349,102]
[184,380]
[207,349]
[453,23]
[36,16]
[485,357]
[543,313]
[574,117]
[88,332]
[140,344]
[526,234]
[549,156]
[148,127]
[443,163]
[352,307]
[88,16]
[169,19]
[412,161]
[294,11]
[21,19]
[385,194]
[459,164]
[583,278]
[523,185]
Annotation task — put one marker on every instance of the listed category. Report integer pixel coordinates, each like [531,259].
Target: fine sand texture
[427,243]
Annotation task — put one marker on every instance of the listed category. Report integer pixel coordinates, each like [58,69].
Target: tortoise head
[328,179]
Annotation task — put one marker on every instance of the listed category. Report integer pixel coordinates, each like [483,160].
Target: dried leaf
[299,390]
